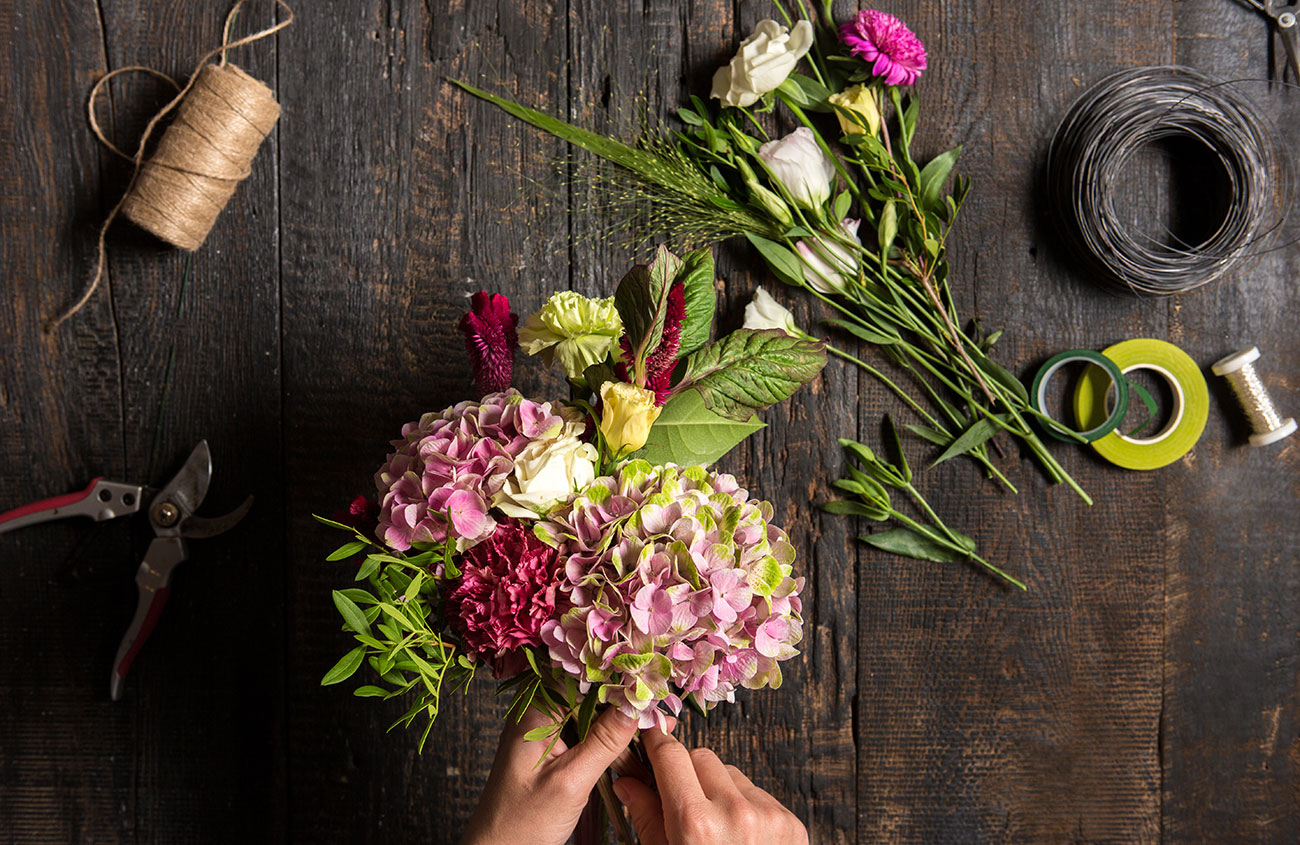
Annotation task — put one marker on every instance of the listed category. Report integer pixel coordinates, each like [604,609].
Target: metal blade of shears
[153,581]
[100,500]
[184,492]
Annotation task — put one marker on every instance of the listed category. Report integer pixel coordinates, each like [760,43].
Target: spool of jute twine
[222,117]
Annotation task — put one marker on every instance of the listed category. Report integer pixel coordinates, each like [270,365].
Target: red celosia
[663,358]
[362,514]
[506,590]
[490,339]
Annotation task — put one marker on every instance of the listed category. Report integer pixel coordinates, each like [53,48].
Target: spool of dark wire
[1132,110]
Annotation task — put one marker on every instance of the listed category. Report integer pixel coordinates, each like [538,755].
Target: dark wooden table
[1144,689]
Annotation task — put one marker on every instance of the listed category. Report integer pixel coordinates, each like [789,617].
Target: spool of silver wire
[1265,420]
[1135,109]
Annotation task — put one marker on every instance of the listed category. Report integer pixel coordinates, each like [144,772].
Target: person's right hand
[700,801]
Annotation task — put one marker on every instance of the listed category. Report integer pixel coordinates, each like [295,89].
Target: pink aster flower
[884,42]
[490,339]
[506,590]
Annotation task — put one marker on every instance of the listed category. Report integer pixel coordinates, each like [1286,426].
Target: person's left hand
[529,803]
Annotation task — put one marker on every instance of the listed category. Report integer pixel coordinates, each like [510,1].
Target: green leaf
[642,302]
[910,543]
[696,275]
[586,713]
[785,265]
[846,508]
[370,692]
[654,167]
[749,370]
[898,447]
[345,668]
[346,550]
[842,205]
[352,615]
[687,433]
[1004,378]
[971,438]
[933,177]
[924,432]
[540,733]
[690,117]
[863,333]
[369,567]
[806,92]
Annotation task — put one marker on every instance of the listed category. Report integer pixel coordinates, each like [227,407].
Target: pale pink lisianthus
[884,42]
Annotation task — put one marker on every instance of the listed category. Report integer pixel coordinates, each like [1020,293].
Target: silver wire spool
[1265,420]
[1135,109]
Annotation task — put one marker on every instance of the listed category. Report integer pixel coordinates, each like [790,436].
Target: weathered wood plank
[431,197]
[1229,736]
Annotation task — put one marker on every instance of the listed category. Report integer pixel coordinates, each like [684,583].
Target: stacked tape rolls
[1132,110]
[1186,419]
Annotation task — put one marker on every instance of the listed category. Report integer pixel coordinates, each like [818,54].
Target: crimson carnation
[884,42]
[506,590]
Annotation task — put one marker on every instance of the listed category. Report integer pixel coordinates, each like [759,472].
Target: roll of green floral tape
[1186,419]
[1102,366]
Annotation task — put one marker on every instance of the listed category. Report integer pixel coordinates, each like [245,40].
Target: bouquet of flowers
[841,209]
[581,550]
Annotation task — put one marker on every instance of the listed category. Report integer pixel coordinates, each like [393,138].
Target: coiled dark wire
[1133,109]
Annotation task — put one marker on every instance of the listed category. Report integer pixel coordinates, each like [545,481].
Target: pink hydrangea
[447,466]
[884,42]
[506,590]
[676,584]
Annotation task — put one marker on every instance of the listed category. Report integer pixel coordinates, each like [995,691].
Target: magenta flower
[884,42]
[490,340]
[506,590]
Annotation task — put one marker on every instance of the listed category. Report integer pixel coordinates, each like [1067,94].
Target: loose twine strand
[208,175]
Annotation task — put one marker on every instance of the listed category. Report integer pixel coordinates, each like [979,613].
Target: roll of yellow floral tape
[1186,419]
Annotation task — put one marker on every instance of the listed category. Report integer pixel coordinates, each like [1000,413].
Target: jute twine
[222,117]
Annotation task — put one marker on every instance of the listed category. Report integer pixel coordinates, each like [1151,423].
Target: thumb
[609,735]
[645,808]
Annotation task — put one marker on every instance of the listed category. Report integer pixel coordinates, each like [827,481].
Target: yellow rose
[628,413]
[861,102]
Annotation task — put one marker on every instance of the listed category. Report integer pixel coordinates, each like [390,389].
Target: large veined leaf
[750,370]
[697,277]
[687,433]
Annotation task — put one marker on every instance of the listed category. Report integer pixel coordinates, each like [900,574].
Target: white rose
[799,164]
[763,62]
[829,266]
[546,473]
[764,312]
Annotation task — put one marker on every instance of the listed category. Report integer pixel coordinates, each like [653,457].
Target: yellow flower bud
[628,413]
[860,100]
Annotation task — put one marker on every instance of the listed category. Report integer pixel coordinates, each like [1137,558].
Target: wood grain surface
[1146,688]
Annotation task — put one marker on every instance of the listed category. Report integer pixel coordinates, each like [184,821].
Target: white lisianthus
[764,312]
[801,166]
[829,266]
[573,329]
[547,472]
[764,61]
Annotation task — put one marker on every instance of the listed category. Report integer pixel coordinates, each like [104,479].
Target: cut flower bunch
[581,550]
[840,208]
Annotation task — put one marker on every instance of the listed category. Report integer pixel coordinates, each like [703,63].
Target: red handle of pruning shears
[52,505]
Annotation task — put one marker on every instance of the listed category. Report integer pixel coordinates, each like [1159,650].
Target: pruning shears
[171,515]
[1282,16]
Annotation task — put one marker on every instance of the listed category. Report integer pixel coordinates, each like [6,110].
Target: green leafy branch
[867,485]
